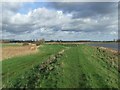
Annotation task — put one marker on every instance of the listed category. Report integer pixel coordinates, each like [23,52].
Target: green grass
[81,70]
[80,66]
[10,44]
[18,65]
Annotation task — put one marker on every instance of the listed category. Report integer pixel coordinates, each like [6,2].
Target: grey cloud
[85,9]
[11,6]
[66,21]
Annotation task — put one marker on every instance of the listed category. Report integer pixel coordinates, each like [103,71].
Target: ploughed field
[62,66]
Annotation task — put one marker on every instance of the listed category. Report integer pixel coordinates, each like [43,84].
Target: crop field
[62,66]
[11,51]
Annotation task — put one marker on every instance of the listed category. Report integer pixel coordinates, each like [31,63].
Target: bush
[25,44]
[37,43]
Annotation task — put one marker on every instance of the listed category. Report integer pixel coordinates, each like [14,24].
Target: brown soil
[11,51]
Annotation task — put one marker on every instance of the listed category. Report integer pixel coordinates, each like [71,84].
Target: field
[62,66]
[11,51]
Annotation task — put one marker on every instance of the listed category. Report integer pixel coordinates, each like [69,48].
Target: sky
[60,20]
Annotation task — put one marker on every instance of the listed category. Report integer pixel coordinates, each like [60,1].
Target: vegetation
[83,67]
[39,42]
[25,44]
[12,67]
[10,44]
[77,66]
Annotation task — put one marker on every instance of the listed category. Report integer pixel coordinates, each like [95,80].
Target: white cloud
[18,0]
[54,24]
[114,33]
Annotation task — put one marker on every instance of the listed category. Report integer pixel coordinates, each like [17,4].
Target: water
[114,46]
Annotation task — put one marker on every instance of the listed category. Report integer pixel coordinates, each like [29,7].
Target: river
[114,46]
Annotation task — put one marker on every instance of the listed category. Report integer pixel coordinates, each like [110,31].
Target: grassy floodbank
[12,67]
[80,66]
[89,68]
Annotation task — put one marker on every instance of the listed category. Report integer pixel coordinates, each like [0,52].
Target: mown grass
[12,67]
[82,70]
[80,66]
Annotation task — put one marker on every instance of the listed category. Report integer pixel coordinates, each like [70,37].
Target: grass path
[81,70]
[80,66]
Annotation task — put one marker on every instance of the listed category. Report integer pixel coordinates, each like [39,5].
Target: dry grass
[11,51]
[110,50]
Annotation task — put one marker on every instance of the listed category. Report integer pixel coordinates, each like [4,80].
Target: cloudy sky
[60,20]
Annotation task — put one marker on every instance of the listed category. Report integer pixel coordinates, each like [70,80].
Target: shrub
[25,44]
